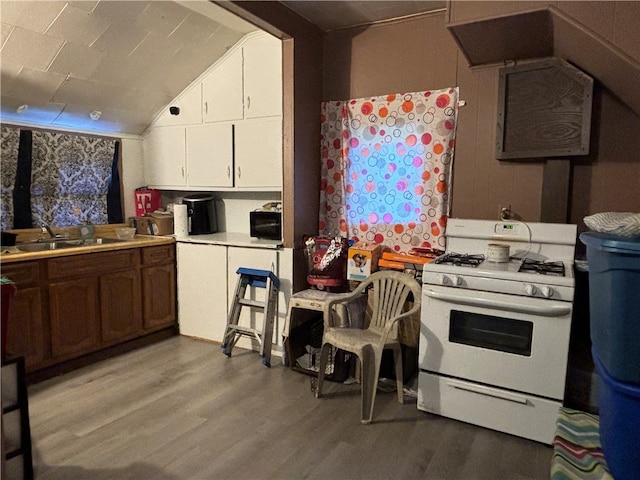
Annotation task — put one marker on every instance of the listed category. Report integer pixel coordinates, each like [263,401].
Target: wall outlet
[505,212]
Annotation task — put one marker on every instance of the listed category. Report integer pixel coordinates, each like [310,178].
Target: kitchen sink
[56,244]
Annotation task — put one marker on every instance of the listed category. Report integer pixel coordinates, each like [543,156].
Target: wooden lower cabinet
[120,306]
[67,307]
[25,334]
[73,315]
[159,293]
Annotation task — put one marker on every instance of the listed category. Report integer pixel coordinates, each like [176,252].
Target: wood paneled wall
[420,54]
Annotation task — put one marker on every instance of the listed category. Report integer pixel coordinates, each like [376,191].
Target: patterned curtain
[10,138]
[70,178]
[386,168]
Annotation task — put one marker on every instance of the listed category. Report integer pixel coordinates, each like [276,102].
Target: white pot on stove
[498,253]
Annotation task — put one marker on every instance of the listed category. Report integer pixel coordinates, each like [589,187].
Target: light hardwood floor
[180,409]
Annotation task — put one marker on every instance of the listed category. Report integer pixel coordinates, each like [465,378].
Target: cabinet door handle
[182,170]
[239,172]
[206,107]
[248,102]
[228,171]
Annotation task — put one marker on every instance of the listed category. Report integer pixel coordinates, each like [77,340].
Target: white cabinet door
[190,105]
[165,157]
[202,290]
[262,77]
[258,153]
[210,155]
[258,258]
[222,90]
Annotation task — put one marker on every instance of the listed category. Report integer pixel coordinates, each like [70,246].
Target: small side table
[313,300]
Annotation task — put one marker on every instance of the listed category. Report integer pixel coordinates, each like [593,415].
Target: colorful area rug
[577,454]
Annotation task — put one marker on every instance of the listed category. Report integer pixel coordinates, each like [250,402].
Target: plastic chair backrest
[388,291]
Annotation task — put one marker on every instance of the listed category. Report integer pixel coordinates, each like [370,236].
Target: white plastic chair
[389,291]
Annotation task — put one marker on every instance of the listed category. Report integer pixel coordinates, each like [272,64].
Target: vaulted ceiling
[123,61]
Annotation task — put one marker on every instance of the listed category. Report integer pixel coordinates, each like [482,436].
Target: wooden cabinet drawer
[91,264]
[22,274]
[156,255]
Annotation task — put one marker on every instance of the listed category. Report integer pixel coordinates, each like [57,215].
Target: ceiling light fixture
[22,108]
[95,115]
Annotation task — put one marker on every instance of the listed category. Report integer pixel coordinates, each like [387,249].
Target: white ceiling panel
[77,25]
[86,5]
[66,62]
[162,17]
[120,39]
[34,16]
[5,30]
[10,72]
[118,11]
[129,59]
[30,49]
[35,84]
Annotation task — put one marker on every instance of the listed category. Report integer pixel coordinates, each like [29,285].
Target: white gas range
[494,337]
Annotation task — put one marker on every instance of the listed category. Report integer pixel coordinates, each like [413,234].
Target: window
[386,168]
[59,179]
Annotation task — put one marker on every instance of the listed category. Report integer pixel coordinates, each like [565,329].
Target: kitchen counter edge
[231,239]
[136,242]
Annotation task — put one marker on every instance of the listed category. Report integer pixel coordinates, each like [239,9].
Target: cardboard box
[362,260]
[153,224]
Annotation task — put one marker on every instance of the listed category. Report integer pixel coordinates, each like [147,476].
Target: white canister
[497,252]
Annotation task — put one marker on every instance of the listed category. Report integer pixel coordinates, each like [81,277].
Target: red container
[147,201]
[327,263]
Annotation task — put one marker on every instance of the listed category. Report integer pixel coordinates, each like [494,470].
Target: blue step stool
[250,277]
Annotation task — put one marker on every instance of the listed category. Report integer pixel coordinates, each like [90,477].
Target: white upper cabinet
[262,77]
[247,83]
[210,155]
[190,105]
[228,134]
[165,156]
[222,90]
[258,144]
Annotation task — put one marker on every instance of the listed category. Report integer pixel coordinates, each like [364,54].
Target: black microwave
[265,224]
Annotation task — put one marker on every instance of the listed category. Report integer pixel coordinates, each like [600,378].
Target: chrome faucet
[46,229]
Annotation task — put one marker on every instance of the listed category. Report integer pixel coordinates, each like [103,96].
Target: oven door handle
[545,311]
[490,392]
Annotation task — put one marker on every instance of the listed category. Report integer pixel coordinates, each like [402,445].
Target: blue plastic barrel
[614,303]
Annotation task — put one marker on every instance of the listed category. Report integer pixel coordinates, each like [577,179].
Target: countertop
[231,239]
[12,254]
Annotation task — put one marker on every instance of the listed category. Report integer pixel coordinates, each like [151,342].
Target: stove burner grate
[462,259]
[545,268]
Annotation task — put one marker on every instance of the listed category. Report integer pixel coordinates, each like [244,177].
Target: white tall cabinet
[226,138]
[207,281]
[202,290]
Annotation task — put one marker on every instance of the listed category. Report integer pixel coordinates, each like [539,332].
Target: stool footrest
[251,303]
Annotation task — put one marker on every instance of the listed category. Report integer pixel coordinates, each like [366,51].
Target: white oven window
[495,333]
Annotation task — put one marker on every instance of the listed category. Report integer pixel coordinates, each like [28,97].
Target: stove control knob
[444,280]
[547,292]
[530,289]
[456,280]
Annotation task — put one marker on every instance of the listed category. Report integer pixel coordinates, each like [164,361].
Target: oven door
[512,342]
